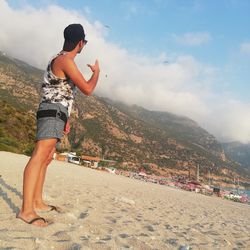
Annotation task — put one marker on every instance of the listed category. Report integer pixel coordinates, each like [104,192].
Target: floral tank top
[56,89]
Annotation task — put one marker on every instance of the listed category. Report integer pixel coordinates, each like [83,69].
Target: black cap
[73,34]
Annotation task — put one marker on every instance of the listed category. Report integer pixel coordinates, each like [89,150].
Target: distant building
[90,161]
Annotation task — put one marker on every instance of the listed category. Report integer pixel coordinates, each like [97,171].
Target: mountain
[160,142]
[238,152]
[19,83]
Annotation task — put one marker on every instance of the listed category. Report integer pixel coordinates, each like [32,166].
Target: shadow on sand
[5,197]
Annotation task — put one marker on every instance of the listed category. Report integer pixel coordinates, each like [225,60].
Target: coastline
[105,211]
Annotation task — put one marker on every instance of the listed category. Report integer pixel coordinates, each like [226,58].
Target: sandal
[33,220]
[51,208]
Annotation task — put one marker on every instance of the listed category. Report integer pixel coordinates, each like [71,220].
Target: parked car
[74,159]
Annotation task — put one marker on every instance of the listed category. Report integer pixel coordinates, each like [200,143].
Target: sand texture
[106,211]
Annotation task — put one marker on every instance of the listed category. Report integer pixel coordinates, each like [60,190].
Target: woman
[58,90]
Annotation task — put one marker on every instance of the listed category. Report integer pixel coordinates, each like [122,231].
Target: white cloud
[245,48]
[192,39]
[182,86]
[232,121]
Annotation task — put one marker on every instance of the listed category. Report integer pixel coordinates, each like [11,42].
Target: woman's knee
[44,150]
[50,157]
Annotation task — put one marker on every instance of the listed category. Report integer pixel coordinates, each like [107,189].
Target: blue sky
[189,57]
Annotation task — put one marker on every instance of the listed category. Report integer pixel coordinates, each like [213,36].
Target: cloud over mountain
[182,86]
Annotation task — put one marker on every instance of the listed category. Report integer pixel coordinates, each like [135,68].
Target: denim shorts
[50,127]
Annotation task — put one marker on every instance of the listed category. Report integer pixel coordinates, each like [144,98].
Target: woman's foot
[33,219]
[42,207]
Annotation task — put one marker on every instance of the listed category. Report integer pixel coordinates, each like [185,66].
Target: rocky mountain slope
[238,152]
[159,142]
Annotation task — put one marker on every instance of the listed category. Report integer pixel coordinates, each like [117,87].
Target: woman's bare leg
[31,175]
[38,194]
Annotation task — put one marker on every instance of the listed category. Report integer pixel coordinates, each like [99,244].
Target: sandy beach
[106,211]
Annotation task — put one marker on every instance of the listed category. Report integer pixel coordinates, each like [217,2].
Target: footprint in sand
[111,219]
[144,235]
[107,238]
[83,215]
[240,244]
[124,235]
[62,236]
[150,228]
[171,241]
[168,227]
[84,237]
[75,246]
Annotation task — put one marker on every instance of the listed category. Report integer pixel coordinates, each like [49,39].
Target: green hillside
[17,129]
